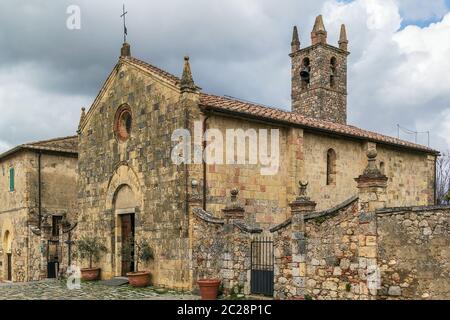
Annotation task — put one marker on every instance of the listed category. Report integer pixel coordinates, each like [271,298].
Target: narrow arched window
[333,72]
[331,167]
[305,73]
[11,180]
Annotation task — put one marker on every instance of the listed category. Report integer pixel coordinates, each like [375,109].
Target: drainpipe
[435,181]
[39,190]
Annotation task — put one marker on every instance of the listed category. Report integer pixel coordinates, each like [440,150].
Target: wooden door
[9,266]
[127,240]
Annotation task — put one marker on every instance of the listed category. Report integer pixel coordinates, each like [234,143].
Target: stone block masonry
[357,250]
[414,252]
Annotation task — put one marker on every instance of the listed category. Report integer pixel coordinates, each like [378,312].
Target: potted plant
[209,288]
[143,253]
[90,249]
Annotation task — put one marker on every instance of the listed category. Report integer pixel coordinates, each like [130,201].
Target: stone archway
[7,256]
[125,202]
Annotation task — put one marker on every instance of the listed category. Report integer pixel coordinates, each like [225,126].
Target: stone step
[115,282]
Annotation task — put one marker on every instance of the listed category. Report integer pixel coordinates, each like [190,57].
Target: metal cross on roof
[125,30]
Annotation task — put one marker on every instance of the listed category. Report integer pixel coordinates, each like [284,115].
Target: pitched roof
[166,75]
[248,109]
[66,145]
[226,104]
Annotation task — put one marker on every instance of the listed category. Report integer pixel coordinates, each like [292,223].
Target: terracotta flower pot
[90,274]
[139,279]
[209,288]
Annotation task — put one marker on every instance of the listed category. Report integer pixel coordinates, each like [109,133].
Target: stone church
[129,187]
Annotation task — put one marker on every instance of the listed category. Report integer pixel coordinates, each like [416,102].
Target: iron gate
[53,256]
[262,259]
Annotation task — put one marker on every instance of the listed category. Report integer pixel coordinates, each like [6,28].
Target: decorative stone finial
[372,169]
[372,185]
[126,50]
[82,116]
[372,175]
[343,41]
[234,210]
[195,196]
[303,189]
[295,44]
[319,34]
[234,193]
[187,82]
[302,203]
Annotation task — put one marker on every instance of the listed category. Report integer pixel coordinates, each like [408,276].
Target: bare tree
[443,178]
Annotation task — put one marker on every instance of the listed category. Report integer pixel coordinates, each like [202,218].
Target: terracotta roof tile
[274,114]
[62,145]
[255,110]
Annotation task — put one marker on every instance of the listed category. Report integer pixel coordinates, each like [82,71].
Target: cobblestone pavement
[57,290]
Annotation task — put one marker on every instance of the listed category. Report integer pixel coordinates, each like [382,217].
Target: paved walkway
[57,290]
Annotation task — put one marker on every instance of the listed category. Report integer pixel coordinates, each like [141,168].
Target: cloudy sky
[399,69]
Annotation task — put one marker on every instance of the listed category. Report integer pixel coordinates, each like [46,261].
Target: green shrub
[90,248]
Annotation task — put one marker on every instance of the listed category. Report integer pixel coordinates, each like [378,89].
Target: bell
[305,73]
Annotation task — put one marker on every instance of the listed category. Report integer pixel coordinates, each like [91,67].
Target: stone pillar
[194,200]
[233,210]
[301,205]
[372,186]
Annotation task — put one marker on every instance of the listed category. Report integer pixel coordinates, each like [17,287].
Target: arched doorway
[125,209]
[7,256]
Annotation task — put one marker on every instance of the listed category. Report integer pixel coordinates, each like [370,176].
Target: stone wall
[23,164]
[303,156]
[405,258]
[18,208]
[142,163]
[411,175]
[221,249]
[59,184]
[319,99]
[14,214]
[414,253]
[265,197]
[330,264]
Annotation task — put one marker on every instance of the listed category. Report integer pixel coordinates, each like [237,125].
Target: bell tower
[319,75]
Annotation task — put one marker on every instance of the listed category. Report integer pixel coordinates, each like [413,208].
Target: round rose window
[123,123]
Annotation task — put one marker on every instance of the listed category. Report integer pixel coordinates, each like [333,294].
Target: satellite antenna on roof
[411,132]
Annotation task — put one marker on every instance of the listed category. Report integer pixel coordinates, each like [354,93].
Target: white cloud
[417,10]
[444,126]
[28,114]
[395,75]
